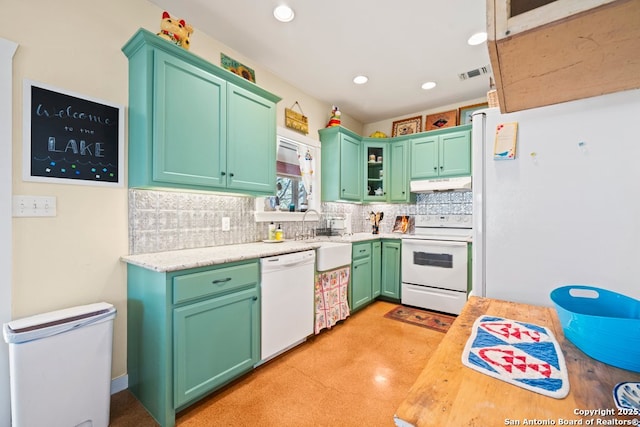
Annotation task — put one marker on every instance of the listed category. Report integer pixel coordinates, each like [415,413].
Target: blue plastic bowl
[603,324]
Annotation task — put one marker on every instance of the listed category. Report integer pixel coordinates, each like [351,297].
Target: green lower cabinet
[375,272]
[214,342]
[391,269]
[360,283]
[376,268]
[190,332]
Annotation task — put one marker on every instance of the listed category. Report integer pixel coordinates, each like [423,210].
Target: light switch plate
[226,223]
[34,206]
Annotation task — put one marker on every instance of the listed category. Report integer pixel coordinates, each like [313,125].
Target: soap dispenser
[272,231]
[279,233]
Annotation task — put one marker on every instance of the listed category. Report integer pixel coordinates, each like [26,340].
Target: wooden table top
[447,393]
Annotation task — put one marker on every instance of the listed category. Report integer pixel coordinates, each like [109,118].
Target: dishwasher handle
[291,260]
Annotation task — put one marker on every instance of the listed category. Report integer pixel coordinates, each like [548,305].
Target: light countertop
[201,257]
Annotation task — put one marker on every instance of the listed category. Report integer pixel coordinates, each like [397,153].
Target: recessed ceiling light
[428,85]
[477,39]
[283,13]
[360,80]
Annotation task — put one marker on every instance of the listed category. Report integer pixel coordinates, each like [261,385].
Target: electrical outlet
[34,206]
[226,223]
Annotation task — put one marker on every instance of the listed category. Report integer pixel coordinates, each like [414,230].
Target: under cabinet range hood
[441,184]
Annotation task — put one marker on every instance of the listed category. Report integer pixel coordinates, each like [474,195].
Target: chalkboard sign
[71,138]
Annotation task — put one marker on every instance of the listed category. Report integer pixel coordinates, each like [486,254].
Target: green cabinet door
[360,283]
[251,149]
[424,157]
[374,160]
[442,153]
[391,269]
[455,154]
[399,173]
[350,169]
[376,268]
[341,165]
[189,130]
[214,341]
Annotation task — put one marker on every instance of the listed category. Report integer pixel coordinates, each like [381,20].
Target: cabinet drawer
[361,250]
[215,281]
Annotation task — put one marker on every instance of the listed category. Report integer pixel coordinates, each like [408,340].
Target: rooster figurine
[335,117]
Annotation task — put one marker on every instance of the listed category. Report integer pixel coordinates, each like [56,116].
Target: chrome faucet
[305,216]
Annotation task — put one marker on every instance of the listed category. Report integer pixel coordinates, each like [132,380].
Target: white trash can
[60,367]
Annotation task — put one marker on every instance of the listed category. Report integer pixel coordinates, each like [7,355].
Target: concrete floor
[355,374]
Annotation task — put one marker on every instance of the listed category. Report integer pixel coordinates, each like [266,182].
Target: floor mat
[519,353]
[428,319]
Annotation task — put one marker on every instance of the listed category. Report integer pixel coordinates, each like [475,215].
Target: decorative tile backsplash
[169,220]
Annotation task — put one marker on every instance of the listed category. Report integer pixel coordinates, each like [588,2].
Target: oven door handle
[422,243]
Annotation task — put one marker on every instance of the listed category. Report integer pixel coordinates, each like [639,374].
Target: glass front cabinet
[375,162]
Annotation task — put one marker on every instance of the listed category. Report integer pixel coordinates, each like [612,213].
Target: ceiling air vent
[475,73]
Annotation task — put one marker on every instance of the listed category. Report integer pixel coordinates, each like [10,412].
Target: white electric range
[435,263]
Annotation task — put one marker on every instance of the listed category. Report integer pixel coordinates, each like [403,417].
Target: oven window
[433,259]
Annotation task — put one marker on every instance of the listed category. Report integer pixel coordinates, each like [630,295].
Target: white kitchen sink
[332,255]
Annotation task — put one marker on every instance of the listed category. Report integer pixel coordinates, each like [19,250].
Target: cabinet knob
[231,174]
[218,281]
[441,167]
[223,173]
[435,168]
[255,298]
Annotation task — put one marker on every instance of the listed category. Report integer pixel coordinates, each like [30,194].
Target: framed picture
[446,119]
[71,138]
[235,67]
[407,126]
[404,224]
[464,113]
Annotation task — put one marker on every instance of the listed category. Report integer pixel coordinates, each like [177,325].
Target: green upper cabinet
[341,165]
[192,124]
[251,149]
[187,143]
[398,175]
[374,160]
[442,153]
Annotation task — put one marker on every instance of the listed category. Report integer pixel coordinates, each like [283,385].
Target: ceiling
[329,42]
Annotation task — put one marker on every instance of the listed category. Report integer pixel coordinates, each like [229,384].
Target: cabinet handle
[231,174]
[435,168]
[255,298]
[221,280]
[441,167]
[362,250]
[223,173]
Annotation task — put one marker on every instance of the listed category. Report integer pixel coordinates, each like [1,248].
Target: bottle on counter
[272,231]
[279,233]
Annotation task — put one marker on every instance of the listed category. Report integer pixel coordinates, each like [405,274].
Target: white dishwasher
[287,286]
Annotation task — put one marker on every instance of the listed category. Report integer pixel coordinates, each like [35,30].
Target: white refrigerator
[566,209]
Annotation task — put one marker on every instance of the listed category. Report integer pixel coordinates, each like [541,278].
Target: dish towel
[331,300]
[519,353]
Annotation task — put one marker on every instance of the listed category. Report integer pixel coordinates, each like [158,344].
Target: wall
[75,45]
[7,51]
